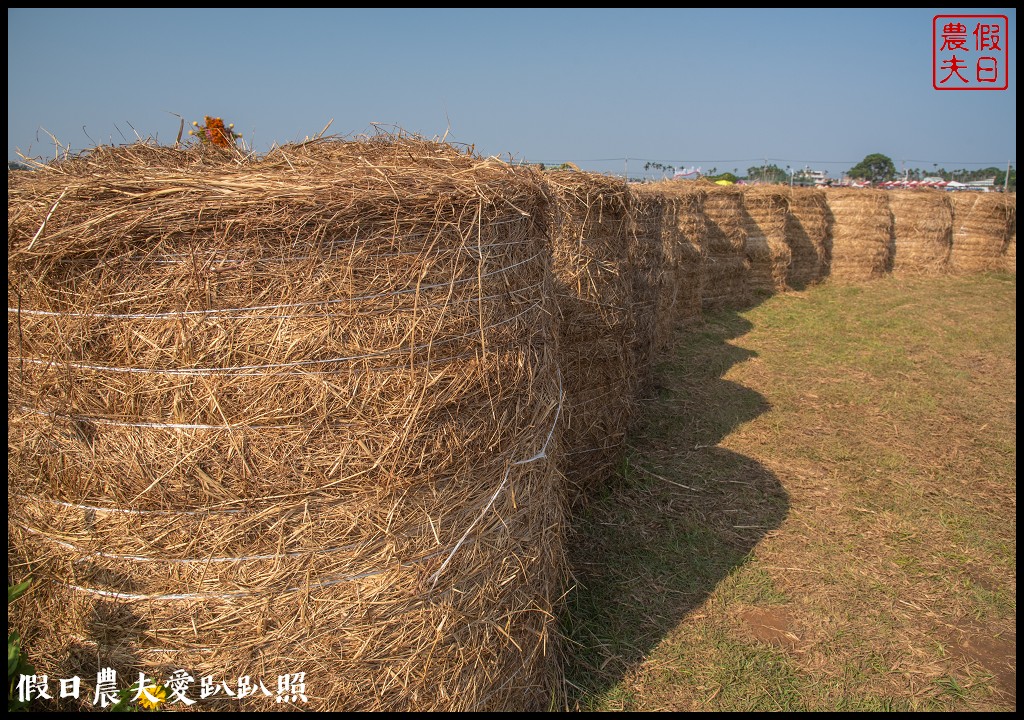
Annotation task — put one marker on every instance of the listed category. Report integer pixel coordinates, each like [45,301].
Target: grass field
[818,512]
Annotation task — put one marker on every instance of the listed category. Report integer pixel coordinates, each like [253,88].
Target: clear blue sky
[714,88]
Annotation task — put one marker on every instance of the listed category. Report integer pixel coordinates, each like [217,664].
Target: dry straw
[596,288]
[862,234]
[652,251]
[922,231]
[767,210]
[809,236]
[683,237]
[982,226]
[294,414]
[1010,256]
[726,268]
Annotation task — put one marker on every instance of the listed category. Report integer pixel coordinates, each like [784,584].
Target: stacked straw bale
[809,236]
[1010,256]
[288,415]
[653,256]
[596,283]
[767,208]
[982,226]
[684,255]
[651,333]
[862,234]
[726,268]
[922,231]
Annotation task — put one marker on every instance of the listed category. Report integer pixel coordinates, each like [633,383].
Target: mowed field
[817,512]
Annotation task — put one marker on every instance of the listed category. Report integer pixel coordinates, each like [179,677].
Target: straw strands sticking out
[289,414]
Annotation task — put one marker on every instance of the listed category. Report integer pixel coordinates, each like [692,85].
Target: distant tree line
[880,168]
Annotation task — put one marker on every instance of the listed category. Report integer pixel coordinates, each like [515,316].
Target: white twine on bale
[117,595]
[218,314]
[181,561]
[541,454]
[225,509]
[178,314]
[215,316]
[179,258]
[248,369]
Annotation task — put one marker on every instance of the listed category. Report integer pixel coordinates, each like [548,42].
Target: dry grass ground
[819,512]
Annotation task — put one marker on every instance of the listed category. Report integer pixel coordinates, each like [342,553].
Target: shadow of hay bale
[681,517]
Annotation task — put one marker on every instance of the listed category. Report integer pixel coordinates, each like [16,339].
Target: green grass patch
[841,462]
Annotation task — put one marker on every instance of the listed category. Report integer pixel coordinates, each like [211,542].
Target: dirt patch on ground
[773,625]
[995,654]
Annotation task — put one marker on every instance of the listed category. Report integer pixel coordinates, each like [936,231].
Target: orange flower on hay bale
[215,133]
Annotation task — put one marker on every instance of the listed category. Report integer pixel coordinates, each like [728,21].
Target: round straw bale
[288,415]
[654,217]
[766,209]
[726,268]
[684,256]
[1010,256]
[595,279]
[808,234]
[861,234]
[922,230]
[726,225]
[982,225]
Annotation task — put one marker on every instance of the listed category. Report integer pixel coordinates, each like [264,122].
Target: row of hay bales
[327,410]
[919,232]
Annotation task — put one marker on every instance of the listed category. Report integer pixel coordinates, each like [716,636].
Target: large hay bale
[922,231]
[656,250]
[726,268]
[684,256]
[767,208]
[861,234]
[595,282]
[982,225]
[290,415]
[652,331]
[808,234]
[1010,255]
